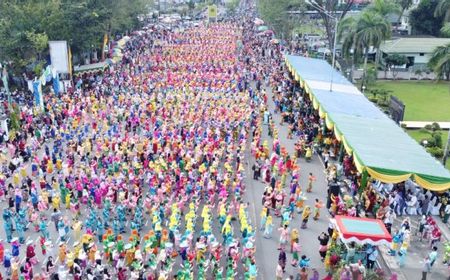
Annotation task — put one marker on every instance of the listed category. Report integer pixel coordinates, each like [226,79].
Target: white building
[417,50]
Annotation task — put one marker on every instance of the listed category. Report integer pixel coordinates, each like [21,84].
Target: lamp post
[336,19]
[446,150]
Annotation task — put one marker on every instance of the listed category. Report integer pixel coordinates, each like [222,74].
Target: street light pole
[334,52]
[446,150]
[336,19]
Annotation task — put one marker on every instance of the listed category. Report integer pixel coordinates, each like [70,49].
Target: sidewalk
[401,75]
[414,124]
[417,251]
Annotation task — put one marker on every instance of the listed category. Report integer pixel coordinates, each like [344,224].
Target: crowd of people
[138,172]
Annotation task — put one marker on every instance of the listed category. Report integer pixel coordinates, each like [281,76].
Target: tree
[404,5]
[325,8]
[443,9]
[393,61]
[368,30]
[26,26]
[423,20]
[383,7]
[24,31]
[445,30]
[275,14]
[440,62]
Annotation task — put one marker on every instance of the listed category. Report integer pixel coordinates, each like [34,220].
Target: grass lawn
[424,100]
[419,135]
[309,28]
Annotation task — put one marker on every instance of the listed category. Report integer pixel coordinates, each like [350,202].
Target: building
[417,50]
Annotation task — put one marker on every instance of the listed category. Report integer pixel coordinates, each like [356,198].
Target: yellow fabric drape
[315,103]
[322,113]
[347,147]
[358,164]
[431,186]
[329,124]
[388,178]
[337,133]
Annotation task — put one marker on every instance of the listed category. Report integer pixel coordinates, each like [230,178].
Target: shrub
[436,152]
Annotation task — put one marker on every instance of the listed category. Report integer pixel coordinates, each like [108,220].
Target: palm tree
[383,7]
[443,8]
[359,34]
[445,30]
[440,62]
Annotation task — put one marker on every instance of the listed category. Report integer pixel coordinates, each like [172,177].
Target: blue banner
[56,84]
[37,93]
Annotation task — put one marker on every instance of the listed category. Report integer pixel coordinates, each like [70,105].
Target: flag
[48,74]
[70,62]
[56,84]
[105,42]
[37,91]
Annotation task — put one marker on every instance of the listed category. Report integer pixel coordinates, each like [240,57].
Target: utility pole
[446,150]
[447,145]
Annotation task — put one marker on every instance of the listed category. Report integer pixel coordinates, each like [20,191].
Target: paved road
[267,253]
[415,256]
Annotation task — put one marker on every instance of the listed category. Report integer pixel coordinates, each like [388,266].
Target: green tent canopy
[91,68]
[380,148]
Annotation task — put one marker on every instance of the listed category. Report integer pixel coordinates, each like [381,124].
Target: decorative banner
[212,11]
[59,56]
[48,74]
[37,91]
[56,87]
[104,47]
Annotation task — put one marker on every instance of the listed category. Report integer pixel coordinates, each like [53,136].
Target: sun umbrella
[263,28]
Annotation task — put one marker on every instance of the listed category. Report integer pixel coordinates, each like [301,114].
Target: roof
[413,45]
[90,68]
[378,145]
[362,230]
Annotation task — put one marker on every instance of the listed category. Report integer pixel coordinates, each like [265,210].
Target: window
[421,54]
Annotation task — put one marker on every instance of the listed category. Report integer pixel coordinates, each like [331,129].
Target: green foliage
[376,274]
[404,4]
[432,127]
[371,75]
[14,118]
[445,30]
[443,9]
[440,62]
[383,7]
[436,152]
[394,60]
[26,26]
[423,19]
[380,96]
[435,139]
[274,13]
[191,5]
[360,33]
